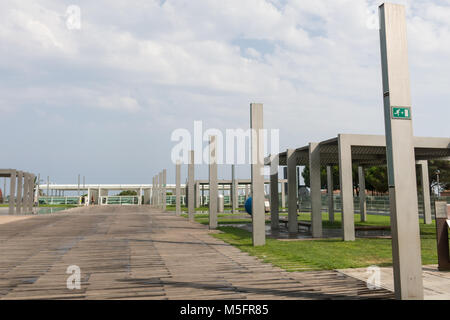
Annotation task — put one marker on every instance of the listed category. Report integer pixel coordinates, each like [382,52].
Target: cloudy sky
[103,100]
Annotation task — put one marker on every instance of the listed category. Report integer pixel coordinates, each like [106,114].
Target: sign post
[400,156]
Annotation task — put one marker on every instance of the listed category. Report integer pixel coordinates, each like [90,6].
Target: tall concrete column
[31,192]
[283,195]
[191,209]
[234,192]
[178,188]
[362,194]
[316,197]
[330,184]
[257,174]
[291,160]
[197,194]
[425,191]
[346,182]
[20,188]
[246,191]
[213,186]
[164,190]
[12,192]
[274,214]
[26,192]
[406,252]
[160,189]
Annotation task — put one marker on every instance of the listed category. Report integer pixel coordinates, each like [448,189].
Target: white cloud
[314,64]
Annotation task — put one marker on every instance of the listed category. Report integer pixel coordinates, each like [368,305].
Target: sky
[102,98]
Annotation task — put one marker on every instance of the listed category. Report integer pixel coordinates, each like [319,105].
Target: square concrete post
[160,189]
[425,191]
[213,186]
[32,185]
[346,182]
[406,253]
[257,174]
[190,189]
[362,194]
[164,190]
[274,214]
[12,192]
[26,193]
[330,184]
[197,194]
[234,193]
[316,197]
[178,188]
[283,195]
[246,191]
[291,160]
[20,188]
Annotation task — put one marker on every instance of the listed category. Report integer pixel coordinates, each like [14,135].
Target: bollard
[442,226]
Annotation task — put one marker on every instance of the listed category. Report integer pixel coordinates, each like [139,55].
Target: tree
[323,177]
[376,179]
[444,174]
[128,193]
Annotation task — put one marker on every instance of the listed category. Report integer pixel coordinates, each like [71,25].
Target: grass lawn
[323,254]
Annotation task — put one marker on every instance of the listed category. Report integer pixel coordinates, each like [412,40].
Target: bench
[299,223]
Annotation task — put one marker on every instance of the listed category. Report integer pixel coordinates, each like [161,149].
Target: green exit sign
[401,113]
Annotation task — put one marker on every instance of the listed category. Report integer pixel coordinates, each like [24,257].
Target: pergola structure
[21,190]
[344,150]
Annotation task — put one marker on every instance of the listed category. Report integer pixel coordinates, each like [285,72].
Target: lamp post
[437,182]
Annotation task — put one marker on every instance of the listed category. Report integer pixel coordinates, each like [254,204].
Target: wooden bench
[299,223]
[372,228]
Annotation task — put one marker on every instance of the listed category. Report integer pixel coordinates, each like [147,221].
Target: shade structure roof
[368,150]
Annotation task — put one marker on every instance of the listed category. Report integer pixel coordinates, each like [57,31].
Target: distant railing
[59,200]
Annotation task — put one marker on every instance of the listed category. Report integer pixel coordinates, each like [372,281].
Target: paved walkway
[130,252]
[436,284]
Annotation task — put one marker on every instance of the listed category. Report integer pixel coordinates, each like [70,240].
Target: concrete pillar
[20,187]
[274,215]
[164,190]
[191,209]
[425,191]
[26,192]
[283,195]
[316,197]
[4,190]
[291,160]
[346,183]
[25,195]
[12,192]
[213,187]
[330,184]
[197,194]
[246,191]
[147,196]
[178,188]
[406,253]
[31,192]
[257,174]
[362,194]
[234,190]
